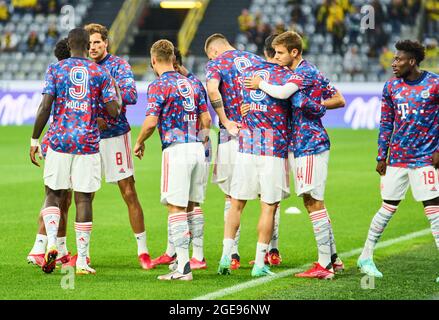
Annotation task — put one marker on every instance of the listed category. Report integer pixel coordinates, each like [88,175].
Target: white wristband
[34,142]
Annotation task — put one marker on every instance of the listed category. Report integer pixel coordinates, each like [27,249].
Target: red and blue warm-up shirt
[409,128]
[120,70]
[79,87]
[177,103]
[308,136]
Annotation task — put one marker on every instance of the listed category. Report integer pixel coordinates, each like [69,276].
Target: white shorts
[224,164]
[64,171]
[184,174]
[424,183]
[310,173]
[116,157]
[260,175]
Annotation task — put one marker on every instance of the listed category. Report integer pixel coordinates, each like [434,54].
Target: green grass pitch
[352,198]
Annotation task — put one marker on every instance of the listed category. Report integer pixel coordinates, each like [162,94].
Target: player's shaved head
[290,40]
[78,39]
[93,28]
[62,50]
[215,38]
[163,51]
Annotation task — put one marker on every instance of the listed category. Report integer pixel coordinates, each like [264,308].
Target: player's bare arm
[146,131]
[218,105]
[335,102]
[42,117]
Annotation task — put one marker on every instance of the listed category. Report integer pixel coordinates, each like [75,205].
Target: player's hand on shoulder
[245,108]
[139,150]
[381,167]
[252,83]
[436,160]
[102,124]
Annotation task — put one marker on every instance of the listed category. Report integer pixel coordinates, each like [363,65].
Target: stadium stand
[332,32]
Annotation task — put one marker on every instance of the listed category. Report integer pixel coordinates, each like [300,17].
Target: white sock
[51,216]
[170,249]
[261,250]
[376,229]
[181,239]
[40,244]
[61,243]
[320,223]
[274,243]
[432,213]
[196,227]
[227,247]
[83,233]
[227,205]
[141,243]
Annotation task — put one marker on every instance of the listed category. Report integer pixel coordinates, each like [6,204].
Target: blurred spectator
[9,42]
[352,61]
[432,21]
[322,13]
[4,11]
[52,35]
[33,43]
[386,59]
[245,20]
[398,14]
[261,33]
[335,26]
[258,18]
[353,24]
[52,6]
[431,62]
[431,48]
[297,17]
[377,38]
[21,6]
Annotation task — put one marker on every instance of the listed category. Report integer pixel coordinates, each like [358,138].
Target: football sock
[227,205]
[61,243]
[51,216]
[170,249]
[181,238]
[227,247]
[332,241]
[376,229]
[83,233]
[261,250]
[40,244]
[432,213]
[274,243]
[197,231]
[320,225]
[141,243]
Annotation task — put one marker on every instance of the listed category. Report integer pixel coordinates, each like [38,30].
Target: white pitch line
[253,283]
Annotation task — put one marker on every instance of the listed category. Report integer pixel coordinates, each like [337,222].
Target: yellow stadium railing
[190,26]
[126,16]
